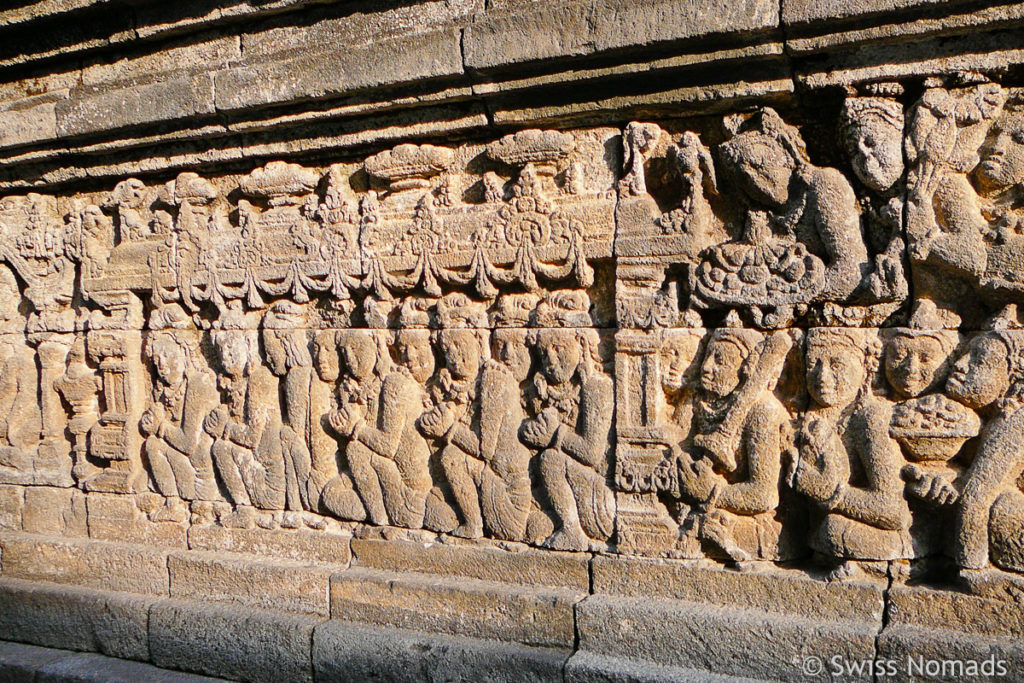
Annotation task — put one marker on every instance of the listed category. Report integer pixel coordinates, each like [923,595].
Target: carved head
[360,353]
[412,347]
[723,366]
[559,353]
[238,350]
[762,157]
[873,134]
[679,350]
[981,376]
[1002,156]
[914,361]
[168,358]
[325,356]
[838,365]
[172,346]
[509,347]
[284,337]
[461,351]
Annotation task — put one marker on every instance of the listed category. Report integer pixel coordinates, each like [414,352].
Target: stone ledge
[32,664]
[456,605]
[351,652]
[588,667]
[73,618]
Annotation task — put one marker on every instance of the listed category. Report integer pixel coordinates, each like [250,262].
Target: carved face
[277,357]
[835,373]
[677,355]
[559,353]
[234,353]
[876,149]
[720,371]
[912,364]
[509,348]
[325,357]
[414,353]
[981,375]
[1002,157]
[168,360]
[358,354]
[461,350]
[764,170]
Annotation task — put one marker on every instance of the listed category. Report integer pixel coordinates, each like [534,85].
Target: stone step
[20,663]
[456,605]
[734,641]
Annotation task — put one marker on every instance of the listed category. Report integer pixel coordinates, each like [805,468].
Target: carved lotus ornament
[543,148]
[409,166]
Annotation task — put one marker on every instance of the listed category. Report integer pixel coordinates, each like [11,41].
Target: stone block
[643,22]
[779,590]
[726,640]
[283,585]
[231,642]
[588,667]
[355,652]
[84,562]
[75,618]
[207,55]
[25,125]
[19,663]
[946,609]
[11,500]
[114,517]
[830,11]
[93,668]
[55,511]
[95,110]
[455,605]
[302,545]
[535,32]
[322,74]
[524,566]
[931,653]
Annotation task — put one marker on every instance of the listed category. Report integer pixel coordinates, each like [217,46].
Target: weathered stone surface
[281,585]
[525,567]
[940,654]
[483,609]
[70,618]
[587,667]
[302,545]
[11,503]
[55,511]
[81,562]
[231,642]
[730,641]
[385,62]
[118,518]
[343,652]
[791,591]
[93,668]
[19,663]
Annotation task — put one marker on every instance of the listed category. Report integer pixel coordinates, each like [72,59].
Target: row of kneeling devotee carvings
[770,336]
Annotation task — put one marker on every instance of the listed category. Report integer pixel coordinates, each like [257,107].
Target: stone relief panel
[729,339]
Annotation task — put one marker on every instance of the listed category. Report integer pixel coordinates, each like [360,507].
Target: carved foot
[242,518]
[291,520]
[173,511]
[469,530]
[563,539]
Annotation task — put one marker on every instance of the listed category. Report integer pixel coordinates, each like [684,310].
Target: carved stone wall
[764,354]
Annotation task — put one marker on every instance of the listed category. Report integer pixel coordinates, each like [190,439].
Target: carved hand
[540,431]
[216,422]
[150,421]
[697,479]
[929,486]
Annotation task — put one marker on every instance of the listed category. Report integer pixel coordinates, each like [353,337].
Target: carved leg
[984,482]
[455,463]
[368,485]
[159,464]
[342,501]
[184,474]
[224,461]
[505,505]
[554,474]
[405,504]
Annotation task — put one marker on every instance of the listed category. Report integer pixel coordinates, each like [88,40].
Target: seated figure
[571,423]
[848,463]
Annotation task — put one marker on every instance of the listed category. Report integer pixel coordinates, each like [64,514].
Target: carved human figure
[872,129]
[184,392]
[247,450]
[848,463]
[802,241]
[386,455]
[989,377]
[944,224]
[679,365]
[733,500]
[20,416]
[323,400]
[288,357]
[570,425]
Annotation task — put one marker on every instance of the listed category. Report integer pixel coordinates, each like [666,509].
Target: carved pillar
[53,462]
